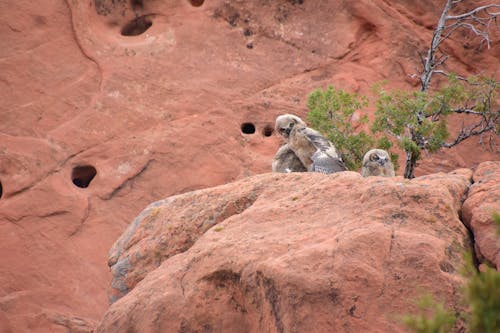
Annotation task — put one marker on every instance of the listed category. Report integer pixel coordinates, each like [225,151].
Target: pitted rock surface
[153,95]
[304,252]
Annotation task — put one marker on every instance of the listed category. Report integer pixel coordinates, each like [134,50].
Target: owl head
[377,162]
[286,122]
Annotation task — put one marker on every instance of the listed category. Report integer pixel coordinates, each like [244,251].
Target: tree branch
[470,21]
[468,111]
[465,134]
[474,11]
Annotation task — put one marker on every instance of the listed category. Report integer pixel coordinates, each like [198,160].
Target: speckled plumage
[286,161]
[377,162]
[315,152]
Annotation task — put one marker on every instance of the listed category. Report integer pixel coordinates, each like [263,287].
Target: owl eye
[375,157]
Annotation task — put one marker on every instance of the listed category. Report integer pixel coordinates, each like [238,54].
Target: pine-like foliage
[432,317]
[481,296]
[331,112]
[418,119]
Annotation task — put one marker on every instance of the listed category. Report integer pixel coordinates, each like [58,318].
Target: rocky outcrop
[482,202]
[291,253]
[109,105]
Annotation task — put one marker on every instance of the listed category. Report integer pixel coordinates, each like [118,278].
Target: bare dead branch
[473,12]
[477,105]
[468,133]
[422,59]
[441,60]
[468,111]
[452,27]
[478,25]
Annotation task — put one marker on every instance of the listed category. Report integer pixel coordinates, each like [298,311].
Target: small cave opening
[1,190]
[196,3]
[83,175]
[137,4]
[268,130]
[248,128]
[137,26]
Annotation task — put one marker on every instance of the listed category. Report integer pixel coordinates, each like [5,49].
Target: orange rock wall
[158,112]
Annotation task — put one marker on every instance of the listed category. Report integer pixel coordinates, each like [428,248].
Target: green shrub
[417,119]
[432,317]
[482,295]
[496,220]
[330,112]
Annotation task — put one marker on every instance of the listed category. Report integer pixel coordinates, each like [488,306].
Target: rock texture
[484,200]
[153,95]
[291,253]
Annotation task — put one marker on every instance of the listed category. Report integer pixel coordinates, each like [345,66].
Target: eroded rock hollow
[108,106]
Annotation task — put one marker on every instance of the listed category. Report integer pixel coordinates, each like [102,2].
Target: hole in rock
[83,175]
[268,130]
[137,4]
[248,128]
[196,3]
[137,26]
[369,27]
[1,190]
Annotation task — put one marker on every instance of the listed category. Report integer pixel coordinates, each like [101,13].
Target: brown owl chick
[377,162]
[285,123]
[286,161]
[315,152]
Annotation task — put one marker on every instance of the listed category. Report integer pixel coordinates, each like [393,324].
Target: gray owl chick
[286,161]
[377,162]
[315,152]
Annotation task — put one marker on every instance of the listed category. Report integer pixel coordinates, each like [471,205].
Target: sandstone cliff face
[291,253]
[152,95]
[484,200]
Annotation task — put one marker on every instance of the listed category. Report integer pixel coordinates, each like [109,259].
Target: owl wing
[286,161]
[325,159]
[320,142]
[324,163]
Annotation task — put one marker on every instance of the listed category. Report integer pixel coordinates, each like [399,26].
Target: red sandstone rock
[159,113]
[482,201]
[4,324]
[291,253]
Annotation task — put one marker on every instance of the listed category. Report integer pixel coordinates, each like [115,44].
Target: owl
[286,161]
[315,152]
[377,162]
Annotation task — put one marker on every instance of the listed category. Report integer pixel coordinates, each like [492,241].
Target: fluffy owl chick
[377,162]
[286,161]
[315,152]
[285,123]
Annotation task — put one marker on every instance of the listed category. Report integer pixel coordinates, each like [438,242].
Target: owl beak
[285,132]
[382,161]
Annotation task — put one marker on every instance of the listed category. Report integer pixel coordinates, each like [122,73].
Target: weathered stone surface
[4,323]
[179,221]
[482,201]
[159,113]
[292,253]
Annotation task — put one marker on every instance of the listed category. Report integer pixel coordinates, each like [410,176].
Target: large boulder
[291,253]
[482,202]
[163,98]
